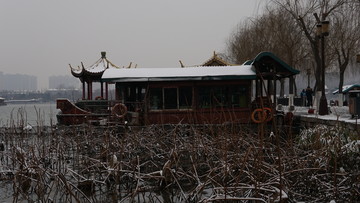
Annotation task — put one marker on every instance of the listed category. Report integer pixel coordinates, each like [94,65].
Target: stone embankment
[338,116]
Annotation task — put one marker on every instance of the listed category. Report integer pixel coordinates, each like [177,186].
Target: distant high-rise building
[18,82]
[63,82]
[1,81]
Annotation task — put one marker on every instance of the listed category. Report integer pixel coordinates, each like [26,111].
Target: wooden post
[106,91]
[291,93]
[102,90]
[256,88]
[274,88]
[270,90]
[91,90]
[83,90]
[119,92]
[88,90]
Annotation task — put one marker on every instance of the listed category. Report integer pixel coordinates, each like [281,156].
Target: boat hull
[73,115]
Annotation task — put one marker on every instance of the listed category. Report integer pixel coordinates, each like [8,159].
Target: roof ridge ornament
[181,64]
[217,60]
[129,66]
[103,54]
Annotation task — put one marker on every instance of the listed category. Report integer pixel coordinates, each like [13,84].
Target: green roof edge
[263,54]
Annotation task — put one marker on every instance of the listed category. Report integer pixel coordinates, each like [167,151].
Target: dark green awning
[270,65]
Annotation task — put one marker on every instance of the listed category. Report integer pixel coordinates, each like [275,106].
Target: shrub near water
[325,136]
[336,151]
[333,141]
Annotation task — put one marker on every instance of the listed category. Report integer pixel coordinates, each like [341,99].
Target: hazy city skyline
[41,37]
[18,82]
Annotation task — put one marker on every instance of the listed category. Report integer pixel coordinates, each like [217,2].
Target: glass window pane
[204,97]
[219,96]
[239,96]
[185,97]
[156,98]
[170,98]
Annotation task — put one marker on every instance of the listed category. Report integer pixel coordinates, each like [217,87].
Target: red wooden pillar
[257,91]
[90,92]
[106,91]
[275,99]
[291,93]
[270,90]
[261,86]
[117,91]
[83,90]
[102,90]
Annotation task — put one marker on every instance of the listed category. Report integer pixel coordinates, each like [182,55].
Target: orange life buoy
[261,115]
[257,116]
[119,110]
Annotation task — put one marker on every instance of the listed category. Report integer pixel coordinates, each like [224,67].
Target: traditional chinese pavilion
[89,75]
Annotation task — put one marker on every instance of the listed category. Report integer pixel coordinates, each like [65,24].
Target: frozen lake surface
[32,114]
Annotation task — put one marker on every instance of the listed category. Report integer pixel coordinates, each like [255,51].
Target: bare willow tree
[274,31]
[344,40]
[239,47]
[309,13]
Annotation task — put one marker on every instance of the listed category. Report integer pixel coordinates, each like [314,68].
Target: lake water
[32,113]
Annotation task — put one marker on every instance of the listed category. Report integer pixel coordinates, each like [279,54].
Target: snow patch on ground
[336,113]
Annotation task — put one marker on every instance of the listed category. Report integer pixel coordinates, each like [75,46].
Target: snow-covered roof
[347,88]
[179,74]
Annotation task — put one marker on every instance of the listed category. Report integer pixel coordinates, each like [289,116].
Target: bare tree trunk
[341,84]
[341,81]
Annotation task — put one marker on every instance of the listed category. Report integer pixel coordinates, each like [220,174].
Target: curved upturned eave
[263,55]
[77,74]
[86,75]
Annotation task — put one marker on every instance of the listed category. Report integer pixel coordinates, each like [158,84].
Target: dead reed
[176,163]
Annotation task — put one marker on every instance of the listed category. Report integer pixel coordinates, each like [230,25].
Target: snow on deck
[336,114]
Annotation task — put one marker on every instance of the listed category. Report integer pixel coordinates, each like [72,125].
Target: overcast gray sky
[41,37]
